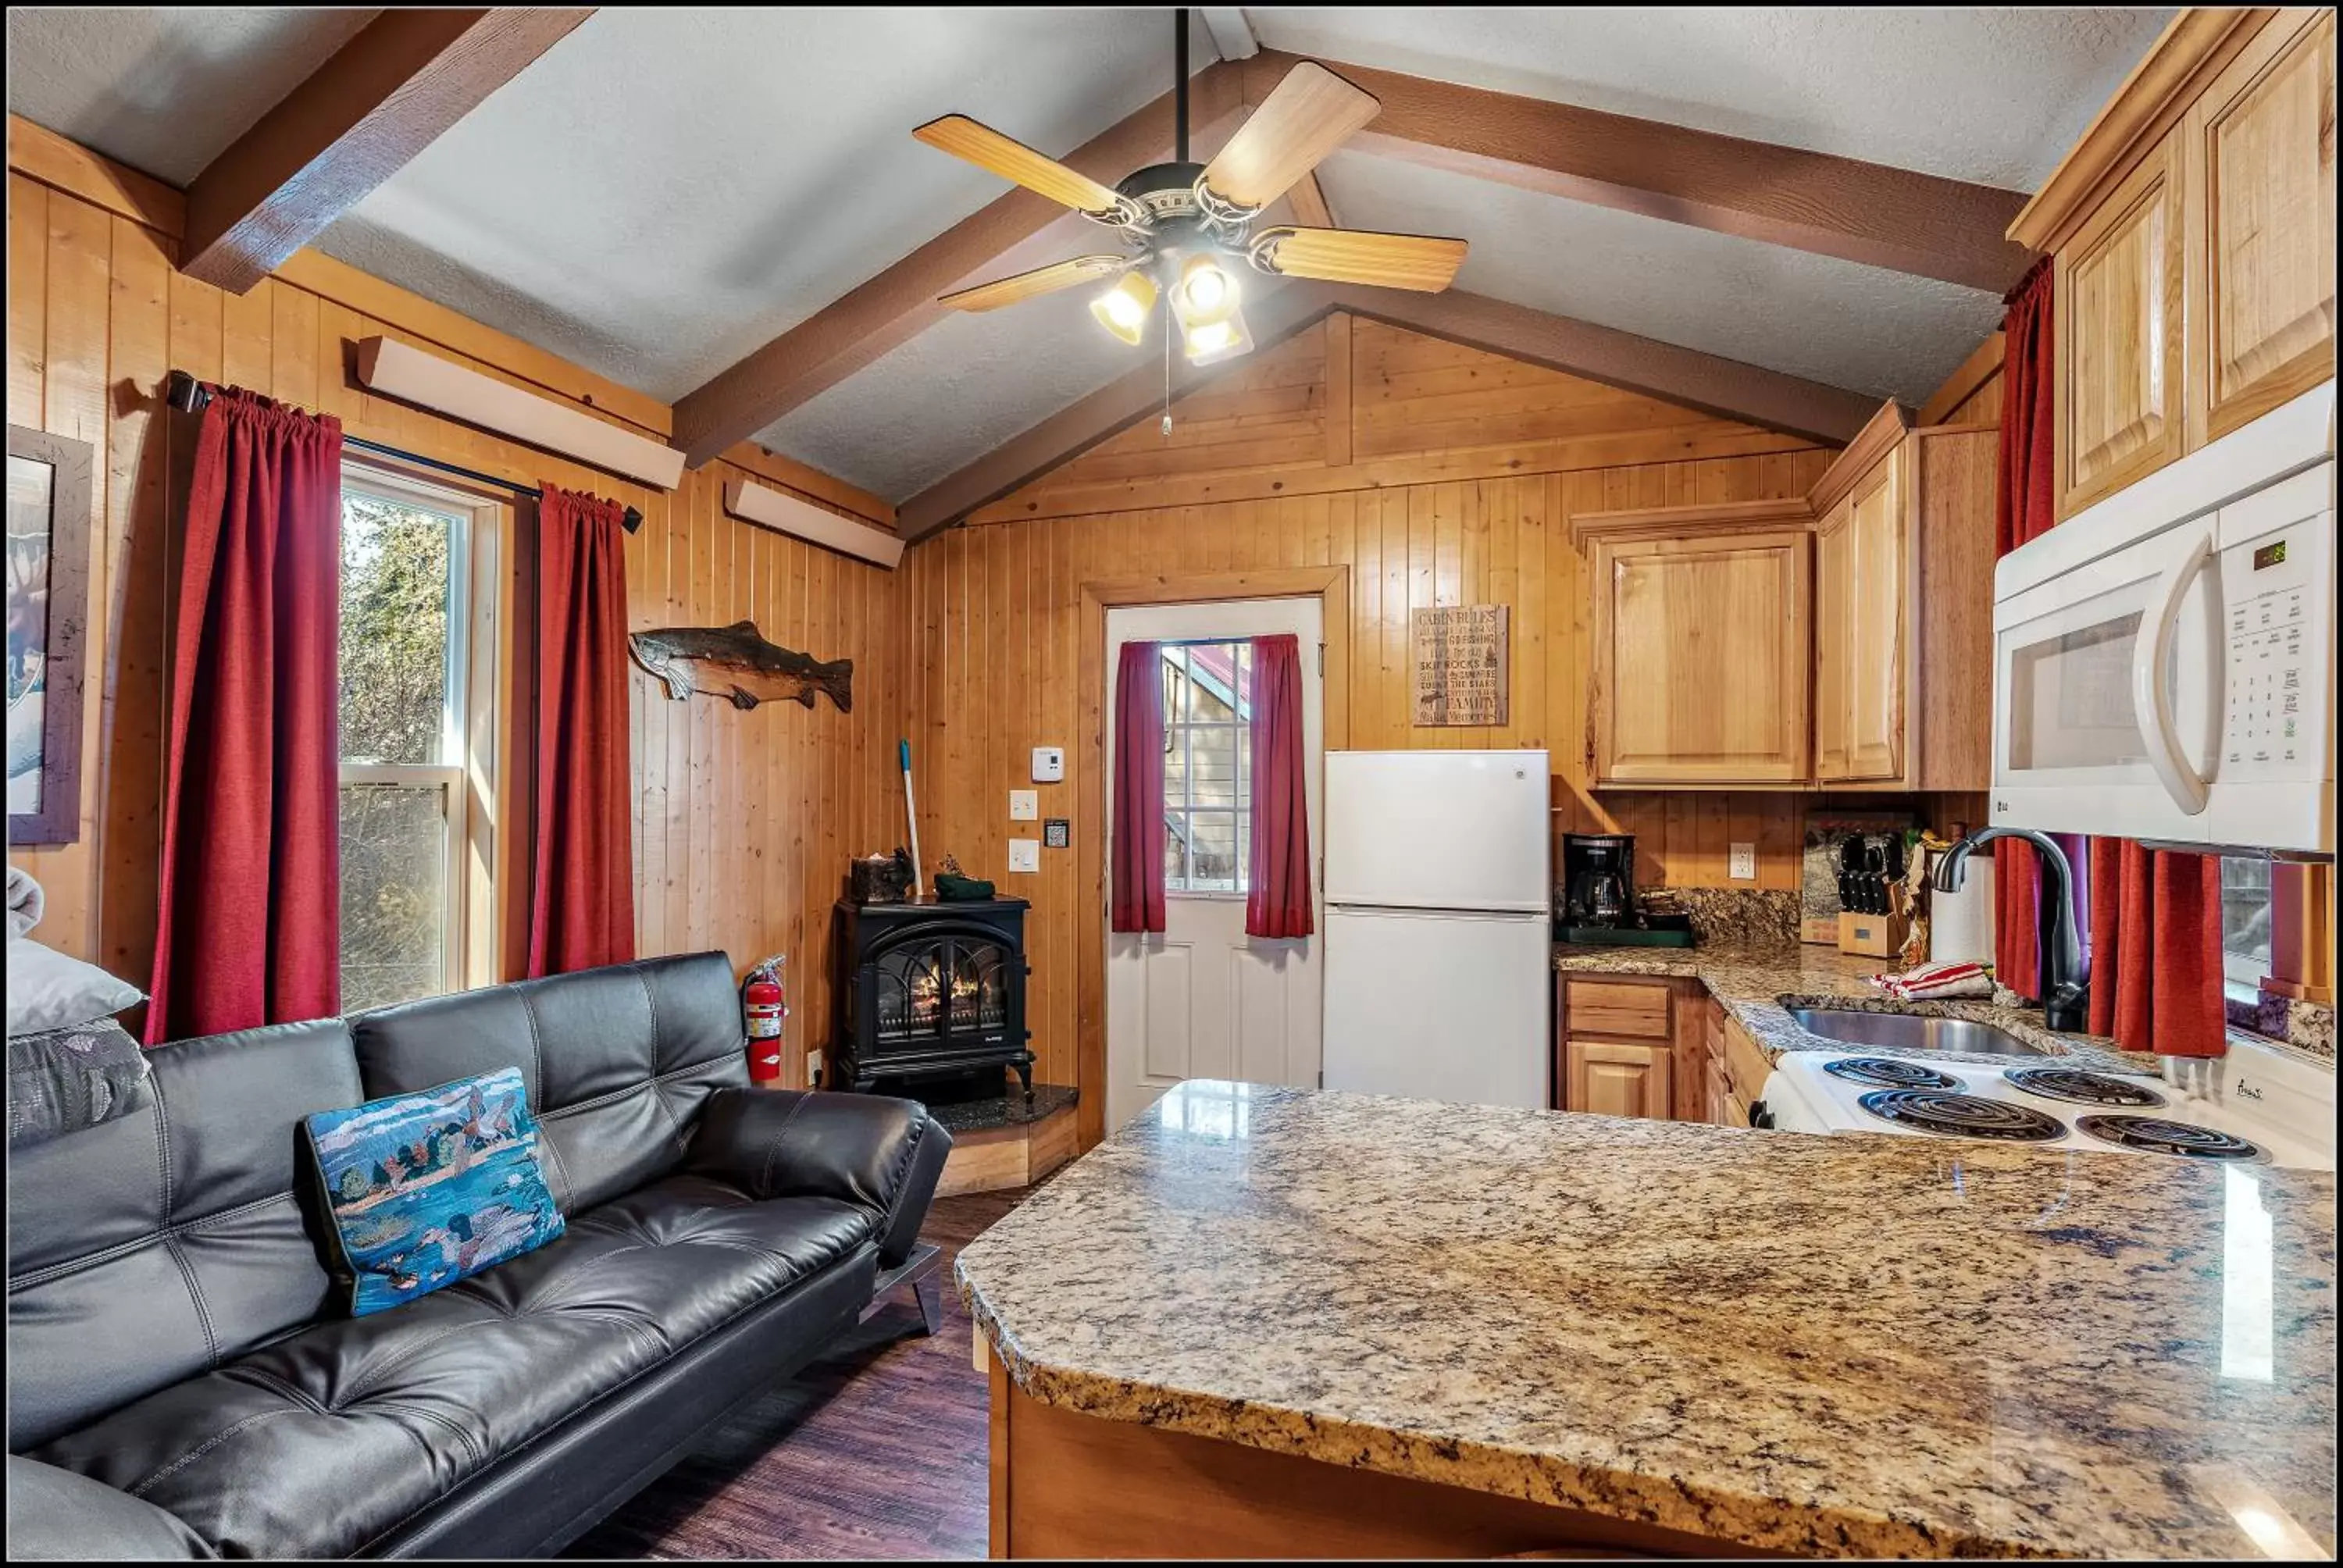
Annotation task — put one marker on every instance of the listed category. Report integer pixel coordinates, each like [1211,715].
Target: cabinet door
[2261,171]
[1874,618]
[1608,1079]
[2118,289]
[1834,592]
[1704,658]
[1715,1112]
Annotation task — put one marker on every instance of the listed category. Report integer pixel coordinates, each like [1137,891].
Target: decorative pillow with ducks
[428,1188]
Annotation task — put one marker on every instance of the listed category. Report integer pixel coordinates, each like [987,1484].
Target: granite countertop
[1851,1346]
[1758,982]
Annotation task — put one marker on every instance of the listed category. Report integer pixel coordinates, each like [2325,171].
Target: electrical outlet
[1024,805]
[813,1067]
[1744,865]
[1024,854]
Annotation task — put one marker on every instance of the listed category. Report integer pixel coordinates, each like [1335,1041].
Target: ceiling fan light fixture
[1209,342]
[1123,309]
[1208,291]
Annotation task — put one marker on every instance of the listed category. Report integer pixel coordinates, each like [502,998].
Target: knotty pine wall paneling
[1463,471]
[744,821]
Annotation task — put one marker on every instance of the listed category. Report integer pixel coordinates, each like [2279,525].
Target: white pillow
[46,990]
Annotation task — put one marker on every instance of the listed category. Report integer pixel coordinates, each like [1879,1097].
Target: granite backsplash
[1731,917]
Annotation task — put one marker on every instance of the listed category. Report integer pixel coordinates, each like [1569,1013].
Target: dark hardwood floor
[876,1450]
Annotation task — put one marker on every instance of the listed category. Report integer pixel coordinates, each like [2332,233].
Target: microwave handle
[2151,699]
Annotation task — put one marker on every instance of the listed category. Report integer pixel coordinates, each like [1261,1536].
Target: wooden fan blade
[1003,291]
[1306,116]
[1421,262]
[1013,160]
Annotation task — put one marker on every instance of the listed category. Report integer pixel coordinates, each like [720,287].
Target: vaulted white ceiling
[668,188]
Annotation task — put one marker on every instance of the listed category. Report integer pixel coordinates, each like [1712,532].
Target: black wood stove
[930,990]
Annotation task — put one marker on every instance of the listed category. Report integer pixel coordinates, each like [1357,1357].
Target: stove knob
[1759,1117]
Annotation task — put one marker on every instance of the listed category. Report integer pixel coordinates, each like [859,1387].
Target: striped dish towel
[1937,982]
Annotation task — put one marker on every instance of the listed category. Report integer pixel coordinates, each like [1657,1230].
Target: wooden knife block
[1873,936]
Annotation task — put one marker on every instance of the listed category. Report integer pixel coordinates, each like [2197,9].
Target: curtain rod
[184,393]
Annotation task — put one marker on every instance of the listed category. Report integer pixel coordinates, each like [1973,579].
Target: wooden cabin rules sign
[1461,675]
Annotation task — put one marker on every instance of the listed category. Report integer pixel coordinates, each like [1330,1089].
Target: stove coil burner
[2079,1088]
[2155,1135]
[1962,1116]
[1889,1072]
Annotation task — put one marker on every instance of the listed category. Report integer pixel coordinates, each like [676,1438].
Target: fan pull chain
[1168,325]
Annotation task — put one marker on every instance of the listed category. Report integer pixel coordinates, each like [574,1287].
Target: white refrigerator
[1439,939]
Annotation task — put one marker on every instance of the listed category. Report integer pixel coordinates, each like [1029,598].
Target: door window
[1207,765]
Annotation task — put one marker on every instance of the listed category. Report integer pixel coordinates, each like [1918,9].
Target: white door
[1202,998]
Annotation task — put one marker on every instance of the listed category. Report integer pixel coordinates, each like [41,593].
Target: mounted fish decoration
[736,663]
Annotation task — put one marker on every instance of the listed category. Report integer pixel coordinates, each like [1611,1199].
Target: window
[2245,924]
[1207,765]
[415,742]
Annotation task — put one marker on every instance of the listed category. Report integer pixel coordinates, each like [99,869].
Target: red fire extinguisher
[765,1006]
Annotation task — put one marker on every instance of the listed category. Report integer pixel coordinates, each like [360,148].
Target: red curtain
[1279,902]
[1138,900]
[2156,950]
[250,920]
[582,888]
[2024,508]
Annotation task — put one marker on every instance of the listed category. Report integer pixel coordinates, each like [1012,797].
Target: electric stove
[2265,1106]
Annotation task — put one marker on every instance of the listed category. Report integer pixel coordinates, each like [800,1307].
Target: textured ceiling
[668,188]
[1861,328]
[1994,97]
[164,90]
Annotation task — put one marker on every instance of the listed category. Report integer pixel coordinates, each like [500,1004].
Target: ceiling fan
[1184,226]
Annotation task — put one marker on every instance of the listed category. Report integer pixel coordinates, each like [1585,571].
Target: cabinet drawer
[1746,1067]
[1638,1009]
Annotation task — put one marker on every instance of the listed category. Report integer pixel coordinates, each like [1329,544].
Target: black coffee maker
[1598,879]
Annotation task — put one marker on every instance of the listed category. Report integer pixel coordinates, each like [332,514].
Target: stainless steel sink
[1910,1031]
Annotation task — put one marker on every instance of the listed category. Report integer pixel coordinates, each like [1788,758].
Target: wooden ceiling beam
[1725,387]
[356,120]
[900,301]
[1115,406]
[1870,212]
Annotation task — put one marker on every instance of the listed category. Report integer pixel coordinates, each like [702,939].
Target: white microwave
[2164,662]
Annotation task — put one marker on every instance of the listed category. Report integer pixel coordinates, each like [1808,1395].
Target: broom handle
[911,815]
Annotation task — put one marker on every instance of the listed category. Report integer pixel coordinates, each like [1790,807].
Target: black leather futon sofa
[181,1385]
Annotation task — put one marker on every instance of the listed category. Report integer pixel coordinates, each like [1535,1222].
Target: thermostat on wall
[1049,764]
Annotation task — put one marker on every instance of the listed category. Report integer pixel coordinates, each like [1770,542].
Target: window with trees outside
[417,736]
[1207,765]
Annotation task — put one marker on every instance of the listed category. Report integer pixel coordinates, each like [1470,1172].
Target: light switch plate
[813,1068]
[1024,854]
[1742,866]
[1049,764]
[1024,805]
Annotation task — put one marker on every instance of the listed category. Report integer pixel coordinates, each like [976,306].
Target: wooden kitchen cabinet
[2258,179]
[1702,645]
[1610,1078]
[1902,612]
[1834,646]
[1630,1045]
[2117,298]
[2193,231]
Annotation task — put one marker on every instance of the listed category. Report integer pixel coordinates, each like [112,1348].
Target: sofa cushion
[328,1439]
[617,1060]
[170,1241]
[428,1188]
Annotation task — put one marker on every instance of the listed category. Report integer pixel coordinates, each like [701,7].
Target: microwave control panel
[2278,595]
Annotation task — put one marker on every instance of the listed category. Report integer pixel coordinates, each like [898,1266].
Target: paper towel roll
[1960,925]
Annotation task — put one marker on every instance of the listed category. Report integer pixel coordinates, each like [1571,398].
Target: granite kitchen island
[1267,1321]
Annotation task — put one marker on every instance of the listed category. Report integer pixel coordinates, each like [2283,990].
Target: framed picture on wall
[49,479]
